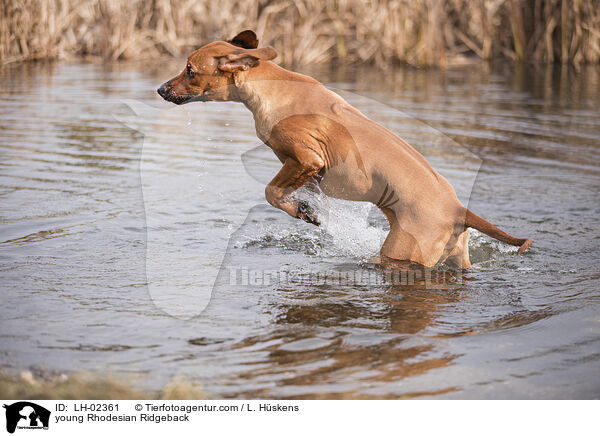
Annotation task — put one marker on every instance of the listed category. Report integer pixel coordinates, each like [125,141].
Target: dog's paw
[307,213]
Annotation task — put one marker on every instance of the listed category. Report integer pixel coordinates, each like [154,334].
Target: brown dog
[318,136]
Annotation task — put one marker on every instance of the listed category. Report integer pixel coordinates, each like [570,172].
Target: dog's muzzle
[167,93]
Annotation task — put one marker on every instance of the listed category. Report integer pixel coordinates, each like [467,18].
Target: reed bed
[383,32]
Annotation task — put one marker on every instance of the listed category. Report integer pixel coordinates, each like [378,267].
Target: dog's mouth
[184,99]
[180,99]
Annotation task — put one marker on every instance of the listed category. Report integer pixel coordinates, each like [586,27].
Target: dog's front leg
[292,176]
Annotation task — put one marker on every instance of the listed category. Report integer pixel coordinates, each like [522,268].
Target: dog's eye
[191,73]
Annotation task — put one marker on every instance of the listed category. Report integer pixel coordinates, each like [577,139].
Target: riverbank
[42,385]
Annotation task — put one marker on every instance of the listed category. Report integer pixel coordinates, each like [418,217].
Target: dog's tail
[472,220]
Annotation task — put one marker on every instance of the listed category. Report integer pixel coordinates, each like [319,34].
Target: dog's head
[209,71]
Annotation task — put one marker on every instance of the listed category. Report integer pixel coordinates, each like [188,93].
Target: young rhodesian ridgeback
[318,136]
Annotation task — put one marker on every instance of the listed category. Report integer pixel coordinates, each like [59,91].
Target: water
[119,212]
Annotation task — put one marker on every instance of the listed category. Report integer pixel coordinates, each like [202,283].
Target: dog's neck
[264,90]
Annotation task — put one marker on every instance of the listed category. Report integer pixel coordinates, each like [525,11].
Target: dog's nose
[162,91]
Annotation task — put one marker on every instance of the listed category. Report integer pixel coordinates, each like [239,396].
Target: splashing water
[347,224]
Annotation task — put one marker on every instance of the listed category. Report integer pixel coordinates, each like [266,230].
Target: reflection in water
[373,347]
[324,347]
[74,234]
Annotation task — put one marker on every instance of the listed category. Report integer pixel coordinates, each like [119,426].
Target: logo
[26,415]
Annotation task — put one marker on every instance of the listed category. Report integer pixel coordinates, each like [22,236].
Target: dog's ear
[245,39]
[241,60]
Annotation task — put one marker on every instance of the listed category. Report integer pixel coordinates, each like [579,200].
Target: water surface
[119,212]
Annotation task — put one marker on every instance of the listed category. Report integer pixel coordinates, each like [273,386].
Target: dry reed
[384,32]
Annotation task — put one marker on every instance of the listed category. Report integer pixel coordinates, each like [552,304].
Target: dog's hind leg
[416,239]
[459,255]
[401,243]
